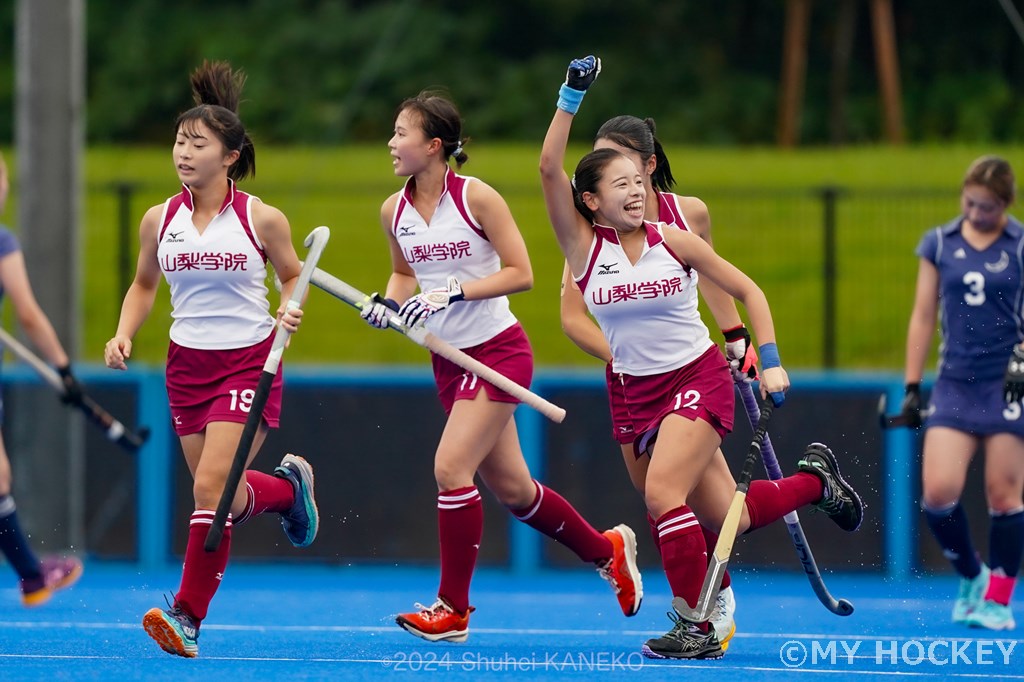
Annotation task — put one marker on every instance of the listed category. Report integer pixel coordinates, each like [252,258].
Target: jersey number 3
[975,282]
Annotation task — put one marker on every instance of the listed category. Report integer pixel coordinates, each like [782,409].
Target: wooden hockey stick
[701,611]
[115,430]
[316,241]
[349,294]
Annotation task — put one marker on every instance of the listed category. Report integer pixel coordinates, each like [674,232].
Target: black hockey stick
[840,607]
[701,611]
[897,420]
[115,430]
[316,241]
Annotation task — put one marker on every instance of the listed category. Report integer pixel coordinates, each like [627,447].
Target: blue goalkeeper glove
[580,75]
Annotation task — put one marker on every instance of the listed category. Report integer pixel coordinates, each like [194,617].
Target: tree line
[332,71]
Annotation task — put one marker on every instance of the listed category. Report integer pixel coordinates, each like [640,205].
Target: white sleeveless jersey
[217,278]
[452,244]
[647,311]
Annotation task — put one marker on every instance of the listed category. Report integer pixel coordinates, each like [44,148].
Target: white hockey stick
[349,294]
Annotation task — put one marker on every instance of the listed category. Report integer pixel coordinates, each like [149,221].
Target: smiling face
[199,155]
[411,150]
[618,200]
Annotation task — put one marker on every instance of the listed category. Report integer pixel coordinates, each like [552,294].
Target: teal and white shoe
[971,595]
[302,521]
[991,615]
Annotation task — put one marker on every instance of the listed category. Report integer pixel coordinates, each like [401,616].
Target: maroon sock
[552,515]
[769,501]
[683,554]
[265,493]
[460,526]
[203,570]
[710,540]
[652,523]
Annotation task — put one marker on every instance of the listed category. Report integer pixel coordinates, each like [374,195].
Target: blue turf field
[299,622]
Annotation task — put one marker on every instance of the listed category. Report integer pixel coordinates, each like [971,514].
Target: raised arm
[572,230]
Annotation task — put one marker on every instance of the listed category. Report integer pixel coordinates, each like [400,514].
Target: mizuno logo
[405,230]
[607,269]
[959,253]
[175,236]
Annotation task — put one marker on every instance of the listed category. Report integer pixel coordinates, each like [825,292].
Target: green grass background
[766,212]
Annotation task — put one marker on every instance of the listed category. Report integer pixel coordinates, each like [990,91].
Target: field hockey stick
[115,430]
[349,294]
[315,242]
[840,607]
[701,611]
[896,420]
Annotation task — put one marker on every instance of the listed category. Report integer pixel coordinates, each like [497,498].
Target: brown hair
[439,118]
[216,89]
[994,174]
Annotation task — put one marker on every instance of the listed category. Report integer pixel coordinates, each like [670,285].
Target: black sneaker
[840,501]
[684,640]
[302,521]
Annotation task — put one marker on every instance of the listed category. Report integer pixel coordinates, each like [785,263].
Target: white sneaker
[723,617]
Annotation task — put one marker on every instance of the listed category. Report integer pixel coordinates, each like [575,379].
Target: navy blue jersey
[8,245]
[980,298]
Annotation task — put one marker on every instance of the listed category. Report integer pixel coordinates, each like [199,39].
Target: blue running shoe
[174,630]
[302,521]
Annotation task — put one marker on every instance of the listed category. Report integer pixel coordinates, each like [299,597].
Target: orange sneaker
[621,572]
[437,623]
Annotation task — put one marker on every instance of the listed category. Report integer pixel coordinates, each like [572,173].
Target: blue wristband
[769,356]
[569,99]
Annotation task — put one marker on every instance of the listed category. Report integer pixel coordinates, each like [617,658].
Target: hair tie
[572,181]
[458,148]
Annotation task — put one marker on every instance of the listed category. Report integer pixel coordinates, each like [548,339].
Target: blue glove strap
[569,99]
[769,356]
[769,360]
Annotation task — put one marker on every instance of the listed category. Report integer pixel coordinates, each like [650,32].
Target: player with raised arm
[454,238]
[676,383]
[211,242]
[970,276]
[38,577]
[636,139]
